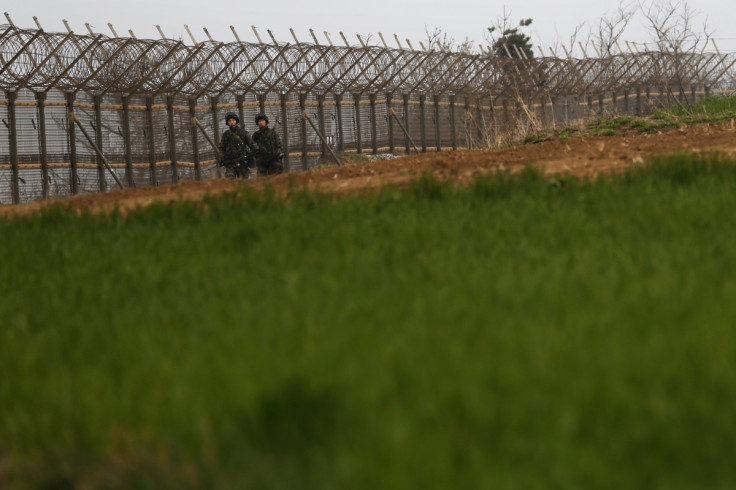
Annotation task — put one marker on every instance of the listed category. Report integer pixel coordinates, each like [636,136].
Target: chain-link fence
[89,113]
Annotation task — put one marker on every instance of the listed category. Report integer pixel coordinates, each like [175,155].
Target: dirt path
[582,157]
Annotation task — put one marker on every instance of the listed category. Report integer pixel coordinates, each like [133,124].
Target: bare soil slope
[582,157]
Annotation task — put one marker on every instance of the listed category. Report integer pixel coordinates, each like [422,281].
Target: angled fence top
[95,63]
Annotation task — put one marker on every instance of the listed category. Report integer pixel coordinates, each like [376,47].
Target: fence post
[41,99]
[172,140]
[151,141]
[494,119]
[453,127]
[215,131]
[285,130]
[543,107]
[506,119]
[614,101]
[321,116]
[302,109]
[127,146]
[600,103]
[195,139]
[374,130]
[97,102]
[626,101]
[638,101]
[358,125]
[468,123]
[239,99]
[437,132]
[262,103]
[423,122]
[13,142]
[340,133]
[390,121]
[481,120]
[406,123]
[72,144]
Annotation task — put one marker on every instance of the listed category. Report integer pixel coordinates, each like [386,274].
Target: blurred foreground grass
[523,332]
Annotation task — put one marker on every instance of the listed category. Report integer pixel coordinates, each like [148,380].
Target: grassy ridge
[522,333]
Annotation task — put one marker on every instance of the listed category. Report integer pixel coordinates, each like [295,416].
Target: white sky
[554,21]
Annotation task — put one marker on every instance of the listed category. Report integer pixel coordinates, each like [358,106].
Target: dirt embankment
[582,157]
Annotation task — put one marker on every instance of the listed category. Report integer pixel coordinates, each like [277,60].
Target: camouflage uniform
[269,143]
[234,144]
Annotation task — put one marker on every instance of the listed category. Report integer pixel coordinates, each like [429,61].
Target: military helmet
[231,115]
[260,116]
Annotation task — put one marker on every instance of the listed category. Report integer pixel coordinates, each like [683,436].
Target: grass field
[524,332]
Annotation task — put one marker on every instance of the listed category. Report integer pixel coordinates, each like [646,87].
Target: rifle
[241,166]
[242,159]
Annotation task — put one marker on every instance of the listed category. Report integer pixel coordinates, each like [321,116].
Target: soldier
[270,153]
[233,146]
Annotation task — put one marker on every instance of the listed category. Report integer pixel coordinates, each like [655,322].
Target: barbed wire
[95,63]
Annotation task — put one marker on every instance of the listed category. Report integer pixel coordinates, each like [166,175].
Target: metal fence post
[422,123]
[127,146]
[215,130]
[285,131]
[453,127]
[240,99]
[406,123]
[97,102]
[390,122]
[172,139]
[374,129]
[506,118]
[195,140]
[151,141]
[321,116]
[41,104]
[437,131]
[305,148]
[13,142]
[358,124]
[341,133]
[468,123]
[72,144]
[614,101]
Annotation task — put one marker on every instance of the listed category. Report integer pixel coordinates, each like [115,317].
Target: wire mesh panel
[444,121]
[350,122]
[329,122]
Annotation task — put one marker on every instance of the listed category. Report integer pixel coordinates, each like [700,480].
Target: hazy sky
[554,21]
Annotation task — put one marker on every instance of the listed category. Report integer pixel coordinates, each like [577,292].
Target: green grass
[709,109]
[525,332]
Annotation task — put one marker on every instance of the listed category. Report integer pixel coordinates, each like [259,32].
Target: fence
[84,113]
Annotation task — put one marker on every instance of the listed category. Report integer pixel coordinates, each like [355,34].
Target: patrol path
[581,157]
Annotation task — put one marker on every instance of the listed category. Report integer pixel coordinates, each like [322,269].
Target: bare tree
[569,45]
[673,27]
[672,24]
[611,26]
[437,38]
